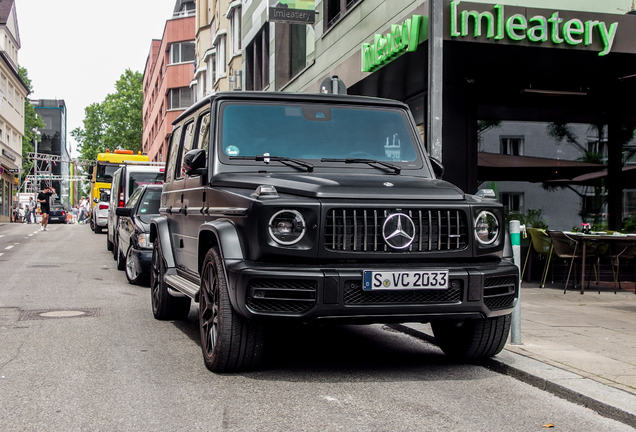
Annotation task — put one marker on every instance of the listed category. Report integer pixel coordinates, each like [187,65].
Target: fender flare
[160,232]
[221,233]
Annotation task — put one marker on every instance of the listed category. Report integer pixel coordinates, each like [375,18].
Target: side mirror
[90,169]
[438,168]
[194,161]
[123,211]
[95,200]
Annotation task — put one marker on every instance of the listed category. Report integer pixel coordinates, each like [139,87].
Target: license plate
[404,280]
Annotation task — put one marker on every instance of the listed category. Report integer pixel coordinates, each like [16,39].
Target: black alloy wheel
[164,306]
[229,342]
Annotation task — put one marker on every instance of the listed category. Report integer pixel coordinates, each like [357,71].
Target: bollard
[515,240]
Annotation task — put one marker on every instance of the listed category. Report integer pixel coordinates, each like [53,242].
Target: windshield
[150,202]
[105,172]
[137,179]
[315,131]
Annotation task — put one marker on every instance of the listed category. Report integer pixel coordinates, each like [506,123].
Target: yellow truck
[102,172]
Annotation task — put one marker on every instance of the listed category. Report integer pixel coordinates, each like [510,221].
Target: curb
[607,401]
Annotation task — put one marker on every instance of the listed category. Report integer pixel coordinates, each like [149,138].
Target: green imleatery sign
[292,11]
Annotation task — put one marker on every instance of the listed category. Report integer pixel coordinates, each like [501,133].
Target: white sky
[77,49]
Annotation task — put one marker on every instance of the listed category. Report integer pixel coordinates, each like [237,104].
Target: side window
[204,132]
[188,141]
[175,139]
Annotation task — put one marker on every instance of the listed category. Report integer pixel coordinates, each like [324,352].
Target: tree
[116,122]
[31,122]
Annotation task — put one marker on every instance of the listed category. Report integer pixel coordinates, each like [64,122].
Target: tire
[472,340]
[91,224]
[109,244]
[229,342]
[98,229]
[132,273]
[121,260]
[164,306]
[115,247]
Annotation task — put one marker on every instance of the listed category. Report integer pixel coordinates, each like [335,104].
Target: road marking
[1,235]
[9,247]
[30,235]
[1,253]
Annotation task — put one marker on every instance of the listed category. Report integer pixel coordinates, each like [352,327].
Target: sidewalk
[579,346]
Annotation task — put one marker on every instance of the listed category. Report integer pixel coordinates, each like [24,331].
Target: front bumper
[334,293]
[142,259]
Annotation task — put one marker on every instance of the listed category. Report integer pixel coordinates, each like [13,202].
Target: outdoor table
[620,241]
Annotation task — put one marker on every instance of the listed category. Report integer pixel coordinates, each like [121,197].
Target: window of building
[256,56]
[234,16]
[334,10]
[180,98]
[182,52]
[293,43]
[220,56]
[512,201]
[512,146]
[210,72]
[597,147]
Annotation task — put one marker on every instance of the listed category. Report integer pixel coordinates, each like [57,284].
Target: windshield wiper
[294,163]
[396,169]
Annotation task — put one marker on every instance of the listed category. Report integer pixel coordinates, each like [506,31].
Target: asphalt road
[81,351]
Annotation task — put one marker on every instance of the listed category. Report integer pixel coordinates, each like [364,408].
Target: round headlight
[486,228]
[287,227]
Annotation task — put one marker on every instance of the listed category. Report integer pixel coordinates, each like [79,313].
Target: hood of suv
[337,185]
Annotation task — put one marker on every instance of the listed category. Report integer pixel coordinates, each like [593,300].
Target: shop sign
[292,11]
[403,38]
[536,29]
[8,155]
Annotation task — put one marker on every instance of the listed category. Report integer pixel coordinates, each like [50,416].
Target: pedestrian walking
[83,212]
[75,213]
[45,205]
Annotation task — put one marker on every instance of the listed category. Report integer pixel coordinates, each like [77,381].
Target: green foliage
[31,122]
[116,122]
[629,224]
[531,219]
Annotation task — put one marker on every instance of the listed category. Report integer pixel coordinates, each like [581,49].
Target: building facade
[218,47]
[12,96]
[524,65]
[53,142]
[167,79]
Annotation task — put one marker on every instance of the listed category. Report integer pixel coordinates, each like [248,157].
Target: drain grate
[41,314]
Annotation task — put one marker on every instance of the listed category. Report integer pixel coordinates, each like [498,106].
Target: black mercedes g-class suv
[318,208]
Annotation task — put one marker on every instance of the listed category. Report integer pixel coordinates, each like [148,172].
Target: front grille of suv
[281,295]
[499,292]
[355,295]
[360,230]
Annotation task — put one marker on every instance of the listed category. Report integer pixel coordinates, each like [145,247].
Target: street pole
[515,240]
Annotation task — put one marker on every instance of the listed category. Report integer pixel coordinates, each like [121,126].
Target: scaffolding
[44,174]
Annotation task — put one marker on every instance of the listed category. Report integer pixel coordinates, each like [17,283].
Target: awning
[499,167]
[628,178]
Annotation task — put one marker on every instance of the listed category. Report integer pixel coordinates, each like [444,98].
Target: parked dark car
[319,208]
[57,213]
[133,232]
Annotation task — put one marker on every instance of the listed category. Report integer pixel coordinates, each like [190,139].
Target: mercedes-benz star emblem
[398,231]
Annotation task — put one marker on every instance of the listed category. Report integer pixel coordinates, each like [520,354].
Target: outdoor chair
[627,253]
[541,243]
[567,247]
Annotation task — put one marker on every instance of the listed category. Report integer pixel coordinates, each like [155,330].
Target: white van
[125,180]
